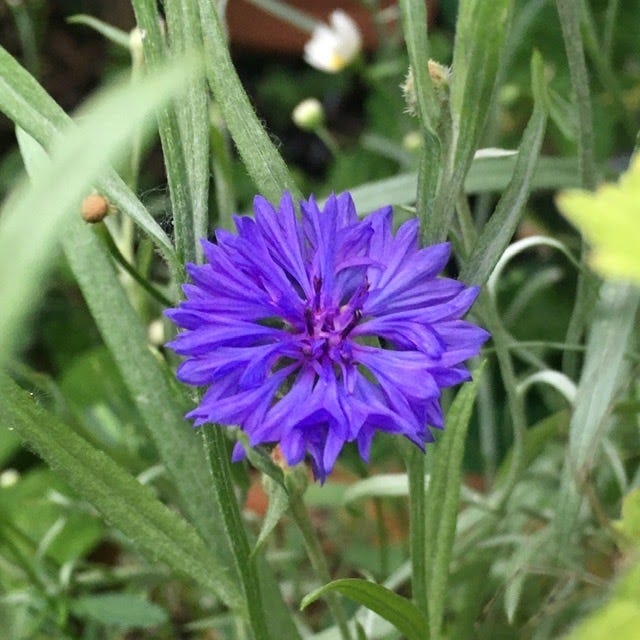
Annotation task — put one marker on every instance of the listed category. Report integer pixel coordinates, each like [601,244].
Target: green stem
[137,66]
[262,160]
[383,537]
[502,344]
[415,461]
[116,254]
[329,141]
[414,26]
[465,220]
[609,27]
[316,556]
[218,452]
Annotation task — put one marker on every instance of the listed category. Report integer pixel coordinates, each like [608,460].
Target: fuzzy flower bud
[95,208]
[308,115]
[333,47]
[440,73]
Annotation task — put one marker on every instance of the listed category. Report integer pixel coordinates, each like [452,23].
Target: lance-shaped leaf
[157,531]
[399,611]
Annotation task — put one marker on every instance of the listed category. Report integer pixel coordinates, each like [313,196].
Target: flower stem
[415,461]
[218,453]
[318,561]
[383,537]
[514,399]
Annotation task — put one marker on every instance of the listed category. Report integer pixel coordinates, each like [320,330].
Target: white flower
[332,48]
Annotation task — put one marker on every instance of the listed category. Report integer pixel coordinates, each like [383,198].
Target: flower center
[328,326]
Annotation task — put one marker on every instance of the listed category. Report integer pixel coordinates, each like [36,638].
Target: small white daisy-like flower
[333,47]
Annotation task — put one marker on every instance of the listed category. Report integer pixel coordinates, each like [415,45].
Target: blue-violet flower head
[316,331]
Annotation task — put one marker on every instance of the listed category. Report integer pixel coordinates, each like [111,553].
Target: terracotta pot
[252,27]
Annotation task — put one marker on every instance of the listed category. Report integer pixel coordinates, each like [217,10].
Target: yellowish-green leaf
[609,218]
[629,523]
[619,618]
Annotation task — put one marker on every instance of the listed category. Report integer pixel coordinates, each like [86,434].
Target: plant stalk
[216,447]
[316,556]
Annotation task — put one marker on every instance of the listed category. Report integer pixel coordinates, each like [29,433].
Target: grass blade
[570,17]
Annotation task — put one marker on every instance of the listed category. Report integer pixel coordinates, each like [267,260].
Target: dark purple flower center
[327,326]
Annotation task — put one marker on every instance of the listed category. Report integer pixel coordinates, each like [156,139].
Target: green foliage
[523,520]
[120,610]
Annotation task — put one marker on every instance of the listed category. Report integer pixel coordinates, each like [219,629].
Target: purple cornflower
[315,331]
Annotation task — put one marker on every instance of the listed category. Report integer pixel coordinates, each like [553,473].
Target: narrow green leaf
[159,532]
[33,219]
[485,175]
[25,102]
[111,33]
[399,611]
[570,18]
[570,13]
[443,498]
[288,13]
[148,19]
[263,162]
[160,404]
[603,373]
[497,233]
[480,33]
[278,505]
[183,26]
